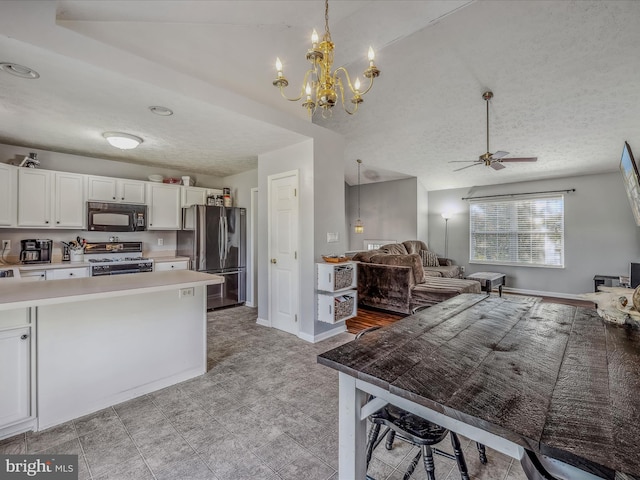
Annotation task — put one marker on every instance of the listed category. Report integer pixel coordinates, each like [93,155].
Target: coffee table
[489,280]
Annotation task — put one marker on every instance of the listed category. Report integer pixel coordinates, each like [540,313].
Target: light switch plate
[332,237]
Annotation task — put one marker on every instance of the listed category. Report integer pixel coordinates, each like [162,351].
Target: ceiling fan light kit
[322,87]
[493,160]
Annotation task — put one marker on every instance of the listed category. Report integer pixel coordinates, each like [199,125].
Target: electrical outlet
[161,241]
[186,292]
[6,245]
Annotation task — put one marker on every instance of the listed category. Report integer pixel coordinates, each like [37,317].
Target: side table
[489,280]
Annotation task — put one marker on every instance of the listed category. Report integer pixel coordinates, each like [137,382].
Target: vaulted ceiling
[564,75]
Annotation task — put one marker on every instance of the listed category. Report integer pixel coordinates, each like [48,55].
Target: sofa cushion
[429,258]
[452,271]
[414,261]
[365,256]
[394,249]
[414,246]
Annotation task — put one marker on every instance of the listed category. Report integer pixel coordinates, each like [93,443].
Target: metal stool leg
[371,442]
[390,438]
[429,465]
[481,453]
[457,451]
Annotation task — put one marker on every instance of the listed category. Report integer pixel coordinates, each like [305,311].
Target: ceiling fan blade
[472,165]
[499,154]
[522,159]
[463,161]
[497,165]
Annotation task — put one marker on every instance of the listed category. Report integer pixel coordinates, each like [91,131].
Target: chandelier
[358,227]
[322,87]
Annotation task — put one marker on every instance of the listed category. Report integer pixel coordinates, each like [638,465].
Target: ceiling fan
[493,160]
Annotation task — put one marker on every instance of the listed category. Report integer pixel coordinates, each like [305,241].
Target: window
[528,232]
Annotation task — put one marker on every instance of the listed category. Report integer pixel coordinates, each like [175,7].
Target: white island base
[100,341]
[101,352]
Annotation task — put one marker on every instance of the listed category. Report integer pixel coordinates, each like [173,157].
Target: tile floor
[264,411]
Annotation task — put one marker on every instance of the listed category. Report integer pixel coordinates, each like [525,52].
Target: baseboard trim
[322,336]
[540,293]
[249,304]
[263,322]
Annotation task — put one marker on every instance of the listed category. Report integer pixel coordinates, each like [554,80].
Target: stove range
[116,258]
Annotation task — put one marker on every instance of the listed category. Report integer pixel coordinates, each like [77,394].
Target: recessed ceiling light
[123,141]
[19,70]
[163,111]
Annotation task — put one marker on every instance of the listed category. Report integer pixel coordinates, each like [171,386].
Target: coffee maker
[36,251]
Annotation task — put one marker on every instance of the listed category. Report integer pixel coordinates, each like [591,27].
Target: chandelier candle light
[321,87]
[359,227]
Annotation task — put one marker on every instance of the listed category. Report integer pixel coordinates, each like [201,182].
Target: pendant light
[359,227]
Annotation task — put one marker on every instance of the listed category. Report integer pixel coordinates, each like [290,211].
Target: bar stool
[417,431]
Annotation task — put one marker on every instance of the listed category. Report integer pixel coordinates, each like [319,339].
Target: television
[631,178]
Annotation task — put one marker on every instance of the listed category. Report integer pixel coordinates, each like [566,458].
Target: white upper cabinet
[34,197]
[165,206]
[70,206]
[50,199]
[106,189]
[8,194]
[194,196]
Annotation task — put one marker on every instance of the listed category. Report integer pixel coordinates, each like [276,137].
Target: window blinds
[527,231]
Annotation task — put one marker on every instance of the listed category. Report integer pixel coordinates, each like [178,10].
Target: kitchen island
[97,341]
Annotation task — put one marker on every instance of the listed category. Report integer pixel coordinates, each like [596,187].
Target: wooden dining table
[551,385]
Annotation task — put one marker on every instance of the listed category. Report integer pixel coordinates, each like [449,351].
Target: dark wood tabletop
[554,379]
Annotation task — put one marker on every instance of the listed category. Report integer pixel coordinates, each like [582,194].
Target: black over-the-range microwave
[116,217]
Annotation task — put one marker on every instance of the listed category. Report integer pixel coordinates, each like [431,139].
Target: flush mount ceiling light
[321,87]
[162,111]
[123,141]
[19,70]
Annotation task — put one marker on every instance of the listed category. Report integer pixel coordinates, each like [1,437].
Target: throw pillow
[429,258]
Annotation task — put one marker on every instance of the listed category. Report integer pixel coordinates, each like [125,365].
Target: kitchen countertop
[20,294]
[55,265]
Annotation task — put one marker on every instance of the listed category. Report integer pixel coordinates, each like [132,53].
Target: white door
[283,251]
[34,197]
[8,193]
[164,206]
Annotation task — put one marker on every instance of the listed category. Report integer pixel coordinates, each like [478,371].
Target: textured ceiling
[564,75]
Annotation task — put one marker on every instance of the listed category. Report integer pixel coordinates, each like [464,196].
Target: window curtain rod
[570,190]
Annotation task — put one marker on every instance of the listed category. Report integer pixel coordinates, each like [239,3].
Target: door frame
[252,290]
[296,270]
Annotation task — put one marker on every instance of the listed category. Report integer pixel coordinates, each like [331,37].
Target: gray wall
[388,210]
[600,233]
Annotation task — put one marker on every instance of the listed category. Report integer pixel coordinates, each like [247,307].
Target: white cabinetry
[15,370]
[197,195]
[164,206]
[44,194]
[34,198]
[8,194]
[165,266]
[62,273]
[337,296]
[107,189]
[69,203]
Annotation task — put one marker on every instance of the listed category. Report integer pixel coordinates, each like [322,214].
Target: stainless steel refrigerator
[214,238]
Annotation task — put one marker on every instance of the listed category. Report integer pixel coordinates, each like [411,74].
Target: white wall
[320,165]
[600,233]
[388,210]
[422,227]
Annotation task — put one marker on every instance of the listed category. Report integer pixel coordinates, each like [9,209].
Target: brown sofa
[394,278]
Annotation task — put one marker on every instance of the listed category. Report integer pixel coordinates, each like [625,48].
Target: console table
[520,376]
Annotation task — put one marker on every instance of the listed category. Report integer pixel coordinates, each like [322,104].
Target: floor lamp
[446,217]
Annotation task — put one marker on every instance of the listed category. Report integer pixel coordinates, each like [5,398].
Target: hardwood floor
[368,318]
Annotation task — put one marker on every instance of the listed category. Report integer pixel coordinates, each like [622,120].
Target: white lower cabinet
[16,406]
[61,273]
[166,266]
